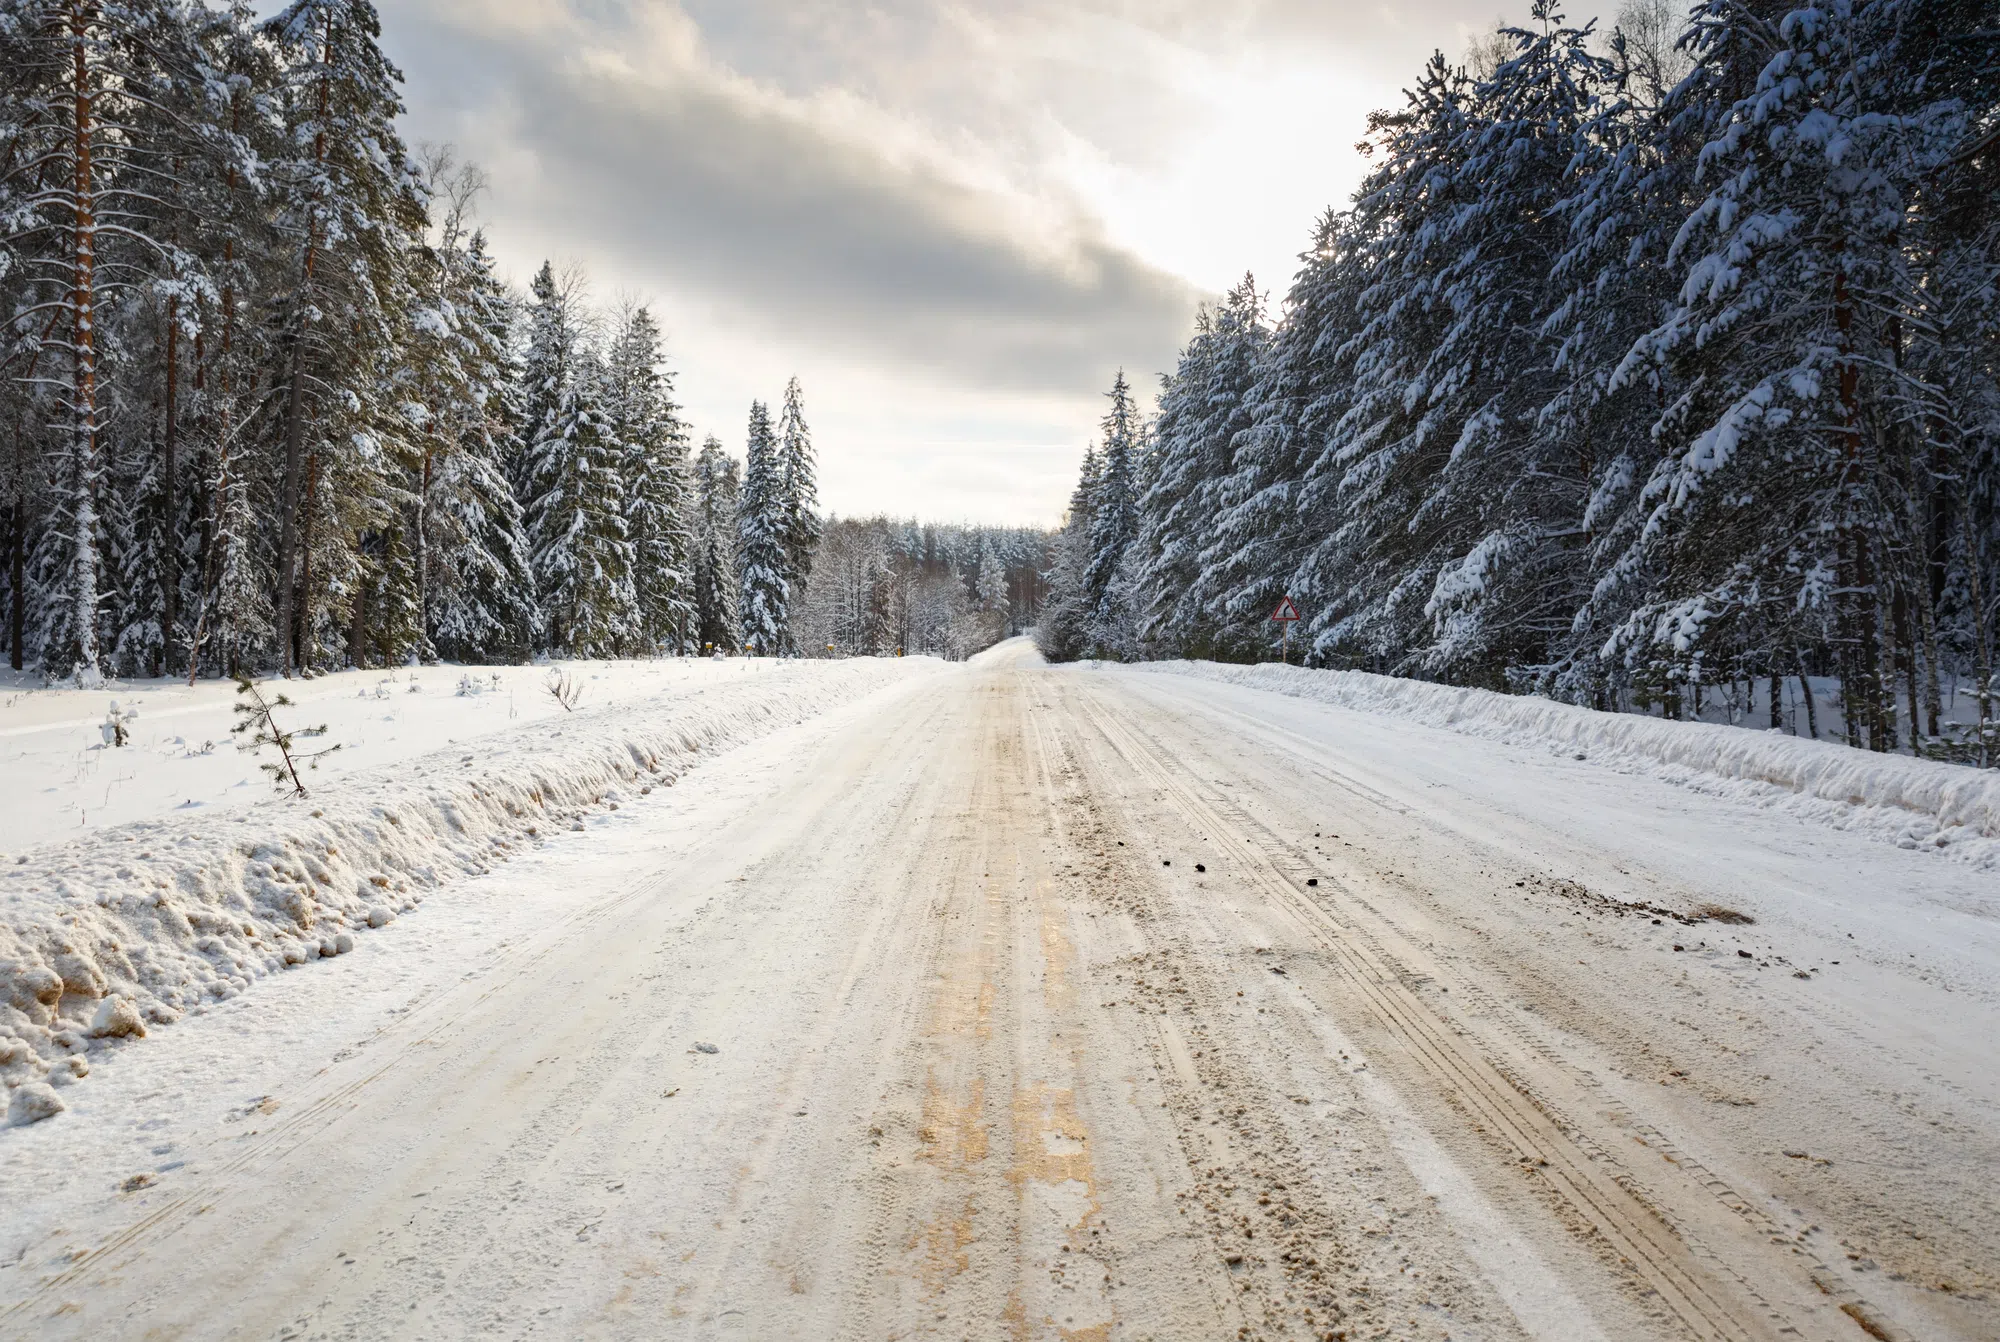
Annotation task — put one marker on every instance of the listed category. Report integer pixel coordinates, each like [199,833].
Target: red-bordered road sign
[1286,611]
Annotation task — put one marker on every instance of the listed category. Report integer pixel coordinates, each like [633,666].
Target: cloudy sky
[952,219]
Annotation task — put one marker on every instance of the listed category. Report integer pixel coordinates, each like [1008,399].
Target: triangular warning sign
[1286,610]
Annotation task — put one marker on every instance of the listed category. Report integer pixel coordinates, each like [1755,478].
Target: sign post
[1287,614]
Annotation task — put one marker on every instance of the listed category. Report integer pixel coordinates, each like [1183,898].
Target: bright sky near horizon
[952,219]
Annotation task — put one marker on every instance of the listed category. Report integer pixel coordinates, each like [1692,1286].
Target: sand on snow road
[1071,1003]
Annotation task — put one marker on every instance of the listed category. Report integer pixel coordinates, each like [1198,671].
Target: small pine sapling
[254,717]
[117,725]
[564,690]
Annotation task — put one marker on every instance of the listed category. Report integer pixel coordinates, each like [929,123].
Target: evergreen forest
[1648,367]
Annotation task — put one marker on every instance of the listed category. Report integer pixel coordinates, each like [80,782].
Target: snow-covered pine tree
[1114,523]
[717,488]
[347,199]
[1283,529]
[85,151]
[475,574]
[800,488]
[1063,628]
[659,508]
[762,523]
[1788,479]
[990,586]
[1204,406]
[230,579]
[573,505]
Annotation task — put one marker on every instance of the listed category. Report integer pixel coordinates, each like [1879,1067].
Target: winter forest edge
[1651,370]
[269,407]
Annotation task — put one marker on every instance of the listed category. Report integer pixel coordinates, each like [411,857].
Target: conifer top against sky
[954,222]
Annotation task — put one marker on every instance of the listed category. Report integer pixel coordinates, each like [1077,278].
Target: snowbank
[63,781]
[1911,802]
[105,936]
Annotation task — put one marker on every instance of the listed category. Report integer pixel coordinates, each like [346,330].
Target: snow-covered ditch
[1913,803]
[106,936]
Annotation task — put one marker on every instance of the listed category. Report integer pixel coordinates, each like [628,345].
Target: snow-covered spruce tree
[1632,177]
[989,589]
[717,489]
[1274,520]
[1062,631]
[573,505]
[475,575]
[1114,525]
[659,507]
[761,531]
[135,539]
[1204,406]
[230,575]
[1788,478]
[1456,528]
[1366,578]
[177,157]
[1954,336]
[1506,498]
[800,489]
[348,201]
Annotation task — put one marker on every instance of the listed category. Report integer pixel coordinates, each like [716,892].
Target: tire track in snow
[1691,1279]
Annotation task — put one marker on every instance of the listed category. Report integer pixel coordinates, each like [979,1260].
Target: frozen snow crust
[105,936]
[1910,802]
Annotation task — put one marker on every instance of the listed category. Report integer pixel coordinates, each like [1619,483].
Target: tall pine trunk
[1982,642]
[1806,692]
[170,552]
[17,575]
[289,559]
[423,546]
[1861,680]
[81,580]
[311,510]
[288,498]
[212,555]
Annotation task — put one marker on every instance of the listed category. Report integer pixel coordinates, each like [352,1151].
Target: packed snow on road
[901,998]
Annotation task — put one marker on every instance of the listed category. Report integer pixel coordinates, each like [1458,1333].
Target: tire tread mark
[1641,1239]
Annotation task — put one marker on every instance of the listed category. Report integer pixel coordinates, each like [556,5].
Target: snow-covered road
[1058,1002]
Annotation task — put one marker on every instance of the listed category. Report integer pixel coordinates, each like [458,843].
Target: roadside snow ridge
[104,936]
[1910,802]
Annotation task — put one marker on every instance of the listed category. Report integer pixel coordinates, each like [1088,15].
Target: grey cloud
[762,212]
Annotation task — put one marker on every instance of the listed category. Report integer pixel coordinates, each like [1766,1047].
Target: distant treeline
[879,586]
